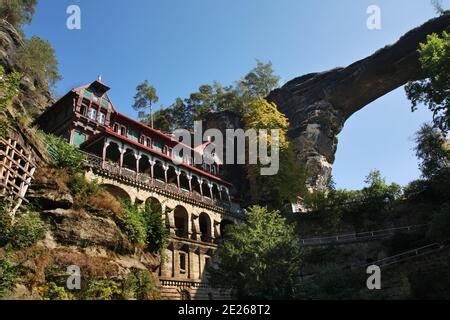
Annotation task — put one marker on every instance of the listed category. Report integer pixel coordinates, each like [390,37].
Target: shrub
[82,189]
[102,290]
[157,233]
[106,201]
[63,154]
[17,12]
[51,291]
[135,224]
[28,229]
[8,276]
[139,285]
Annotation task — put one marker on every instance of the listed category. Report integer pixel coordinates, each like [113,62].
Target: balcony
[113,170]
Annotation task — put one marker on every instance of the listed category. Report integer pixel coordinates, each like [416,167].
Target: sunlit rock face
[318,104]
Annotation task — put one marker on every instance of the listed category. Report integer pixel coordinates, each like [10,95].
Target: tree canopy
[144,99]
[17,12]
[260,259]
[434,89]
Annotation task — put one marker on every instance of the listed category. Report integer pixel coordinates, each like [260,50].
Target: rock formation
[318,104]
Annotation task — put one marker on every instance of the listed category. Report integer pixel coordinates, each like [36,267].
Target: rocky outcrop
[34,97]
[318,104]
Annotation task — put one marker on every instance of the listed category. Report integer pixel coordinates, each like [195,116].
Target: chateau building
[135,162]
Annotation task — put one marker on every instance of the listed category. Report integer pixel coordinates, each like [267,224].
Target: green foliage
[28,229]
[63,154]
[433,90]
[37,57]
[288,182]
[8,276]
[259,82]
[216,97]
[440,225]
[144,226]
[9,87]
[102,290]
[145,97]
[139,285]
[260,259]
[433,150]
[82,189]
[52,291]
[17,12]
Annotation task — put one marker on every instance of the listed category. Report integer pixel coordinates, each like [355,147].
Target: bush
[8,276]
[63,154]
[102,290]
[157,232]
[135,224]
[51,291]
[139,285]
[82,189]
[105,201]
[28,229]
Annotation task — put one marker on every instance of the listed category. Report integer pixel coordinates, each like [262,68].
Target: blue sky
[180,44]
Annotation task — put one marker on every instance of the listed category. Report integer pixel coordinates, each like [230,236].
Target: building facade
[135,162]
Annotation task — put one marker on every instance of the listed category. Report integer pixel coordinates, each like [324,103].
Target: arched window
[181,222]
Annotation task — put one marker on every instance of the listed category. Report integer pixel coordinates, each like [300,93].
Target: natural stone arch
[205,227]
[181,218]
[118,192]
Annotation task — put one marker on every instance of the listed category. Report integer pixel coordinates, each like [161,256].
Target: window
[87,94]
[133,135]
[104,103]
[148,142]
[92,114]
[83,110]
[142,140]
[116,127]
[182,263]
[101,117]
[78,138]
[123,130]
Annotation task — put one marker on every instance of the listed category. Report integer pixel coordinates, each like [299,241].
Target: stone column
[152,167]
[195,226]
[105,148]
[166,168]
[189,177]
[210,185]
[171,219]
[191,262]
[138,156]
[122,152]
[216,230]
[200,182]
[178,173]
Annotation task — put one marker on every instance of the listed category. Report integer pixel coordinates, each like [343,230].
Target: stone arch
[144,165]
[184,181]
[158,170]
[181,218]
[172,175]
[205,227]
[129,159]
[112,152]
[118,192]
[154,204]
[196,184]
[216,191]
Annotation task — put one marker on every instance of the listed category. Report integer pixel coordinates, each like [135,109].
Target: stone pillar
[178,173]
[189,177]
[210,185]
[191,262]
[200,182]
[189,226]
[152,167]
[220,193]
[228,194]
[166,168]
[137,157]
[216,230]
[122,152]
[105,148]
[196,227]
[171,219]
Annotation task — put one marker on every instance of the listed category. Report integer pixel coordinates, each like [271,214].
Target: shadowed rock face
[318,104]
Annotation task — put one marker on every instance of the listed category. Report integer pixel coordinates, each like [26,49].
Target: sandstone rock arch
[318,104]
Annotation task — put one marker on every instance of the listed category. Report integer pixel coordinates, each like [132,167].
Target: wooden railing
[113,170]
[16,170]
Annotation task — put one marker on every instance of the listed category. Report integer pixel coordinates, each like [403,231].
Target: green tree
[260,259]
[433,90]
[144,99]
[432,149]
[17,12]
[289,182]
[9,87]
[37,57]
[259,82]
